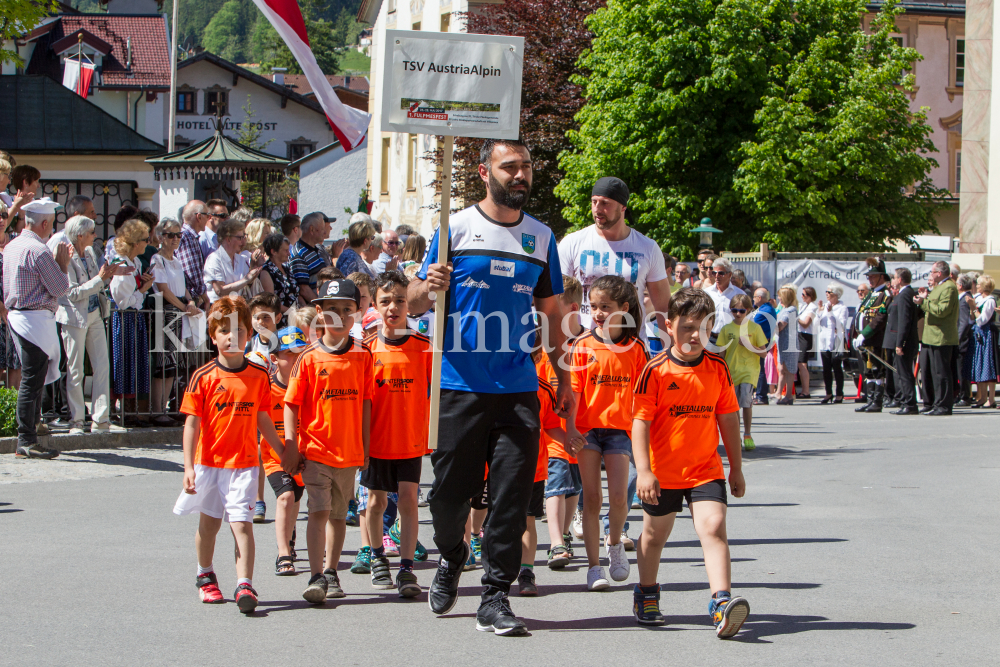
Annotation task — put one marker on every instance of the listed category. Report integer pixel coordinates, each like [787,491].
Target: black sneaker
[316,590]
[406,584]
[443,593]
[526,583]
[333,589]
[381,576]
[36,451]
[646,607]
[495,616]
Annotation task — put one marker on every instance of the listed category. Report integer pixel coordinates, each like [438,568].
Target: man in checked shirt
[189,252]
[33,280]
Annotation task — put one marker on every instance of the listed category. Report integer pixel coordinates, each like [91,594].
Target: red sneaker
[208,589]
[246,598]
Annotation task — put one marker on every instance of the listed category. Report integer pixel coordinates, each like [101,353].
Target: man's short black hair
[486,150]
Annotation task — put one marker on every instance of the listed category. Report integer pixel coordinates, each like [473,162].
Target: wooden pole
[440,314]
[172,102]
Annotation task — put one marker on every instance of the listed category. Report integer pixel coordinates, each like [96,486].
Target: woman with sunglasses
[168,280]
[832,318]
[807,317]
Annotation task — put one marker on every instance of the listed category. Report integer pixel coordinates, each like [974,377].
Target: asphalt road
[862,540]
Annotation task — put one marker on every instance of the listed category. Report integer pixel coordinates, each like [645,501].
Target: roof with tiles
[148,68]
[300,84]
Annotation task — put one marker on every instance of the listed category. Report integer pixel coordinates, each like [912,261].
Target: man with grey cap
[611,247]
[33,280]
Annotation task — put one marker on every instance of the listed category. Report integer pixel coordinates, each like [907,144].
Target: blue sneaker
[477,547]
[646,606]
[470,564]
[352,512]
[363,561]
[259,512]
[728,613]
[419,553]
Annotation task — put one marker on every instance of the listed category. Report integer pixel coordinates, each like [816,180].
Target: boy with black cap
[611,247]
[327,416]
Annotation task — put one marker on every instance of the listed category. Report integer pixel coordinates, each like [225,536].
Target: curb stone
[139,437]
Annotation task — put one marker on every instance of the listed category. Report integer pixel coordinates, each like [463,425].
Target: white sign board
[820,273]
[452,84]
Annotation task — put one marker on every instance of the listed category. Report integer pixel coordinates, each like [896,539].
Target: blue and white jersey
[499,269]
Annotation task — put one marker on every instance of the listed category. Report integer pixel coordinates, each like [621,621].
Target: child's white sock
[205,570]
[243,581]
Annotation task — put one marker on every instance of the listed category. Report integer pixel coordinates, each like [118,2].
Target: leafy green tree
[779,119]
[226,34]
[18,17]
[278,193]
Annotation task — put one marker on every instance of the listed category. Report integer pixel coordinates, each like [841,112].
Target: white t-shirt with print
[587,256]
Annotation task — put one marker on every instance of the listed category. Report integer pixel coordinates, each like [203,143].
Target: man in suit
[966,284]
[901,338]
[940,335]
[867,332]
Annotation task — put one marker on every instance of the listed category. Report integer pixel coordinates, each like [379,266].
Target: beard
[608,223]
[502,195]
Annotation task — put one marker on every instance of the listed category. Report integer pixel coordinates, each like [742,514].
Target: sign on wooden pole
[450,84]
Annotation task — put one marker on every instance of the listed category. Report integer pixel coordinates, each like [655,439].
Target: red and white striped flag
[348,124]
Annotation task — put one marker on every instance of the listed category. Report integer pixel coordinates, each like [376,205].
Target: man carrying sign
[501,263]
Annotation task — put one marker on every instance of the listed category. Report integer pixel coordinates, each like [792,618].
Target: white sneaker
[578,524]
[627,541]
[107,427]
[596,581]
[618,564]
[76,428]
[421,501]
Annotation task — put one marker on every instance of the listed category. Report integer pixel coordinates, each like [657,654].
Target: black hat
[337,289]
[876,266]
[612,188]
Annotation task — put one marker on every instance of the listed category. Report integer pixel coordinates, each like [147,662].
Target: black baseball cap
[337,289]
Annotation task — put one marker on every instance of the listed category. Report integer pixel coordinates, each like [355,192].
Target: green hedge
[8,411]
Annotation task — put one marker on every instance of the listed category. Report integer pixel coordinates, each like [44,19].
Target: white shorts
[221,493]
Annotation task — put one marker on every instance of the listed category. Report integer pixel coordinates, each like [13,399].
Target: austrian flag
[348,124]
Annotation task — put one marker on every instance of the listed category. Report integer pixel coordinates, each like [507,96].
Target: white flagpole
[172,102]
[440,314]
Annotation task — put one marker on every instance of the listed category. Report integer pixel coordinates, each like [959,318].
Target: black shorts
[281,482]
[805,341]
[537,505]
[481,501]
[672,500]
[386,474]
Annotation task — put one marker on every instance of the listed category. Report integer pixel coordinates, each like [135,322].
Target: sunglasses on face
[145,240]
[718,273]
[221,216]
[171,235]
[393,243]
[737,311]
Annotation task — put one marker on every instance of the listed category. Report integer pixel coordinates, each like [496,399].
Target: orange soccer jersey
[330,388]
[605,376]
[682,400]
[401,402]
[272,463]
[227,400]
[548,419]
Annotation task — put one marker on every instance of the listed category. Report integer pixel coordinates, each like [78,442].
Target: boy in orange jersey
[605,364]
[226,403]
[571,301]
[551,432]
[400,409]
[683,401]
[327,419]
[287,488]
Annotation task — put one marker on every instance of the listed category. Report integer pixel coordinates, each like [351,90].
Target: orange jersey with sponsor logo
[548,419]
[272,463]
[401,403]
[682,400]
[227,400]
[553,447]
[330,388]
[605,375]
[545,371]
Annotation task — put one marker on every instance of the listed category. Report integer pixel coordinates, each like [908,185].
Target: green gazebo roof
[217,156]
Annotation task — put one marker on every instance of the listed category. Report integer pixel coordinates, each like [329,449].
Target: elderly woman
[129,338]
[276,277]
[359,236]
[81,313]
[168,280]
[982,363]
[10,363]
[226,270]
[788,355]
[832,318]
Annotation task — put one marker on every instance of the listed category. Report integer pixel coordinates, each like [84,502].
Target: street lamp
[706,230]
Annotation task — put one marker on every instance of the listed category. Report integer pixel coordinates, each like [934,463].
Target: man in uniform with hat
[33,279]
[867,332]
[611,247]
